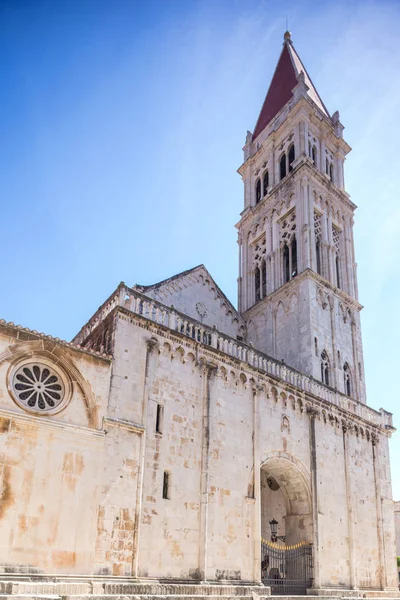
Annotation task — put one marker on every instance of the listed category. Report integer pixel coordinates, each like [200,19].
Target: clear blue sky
[122,124]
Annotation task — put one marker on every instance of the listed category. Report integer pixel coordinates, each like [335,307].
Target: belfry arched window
[291,157]
[318,239]
[314,155]
[289,258]
[293,252]
[347,379]
[324,367]
[288,246]
[331,172]
[337,265]
[264,280]
[265,182]
[257,282]
[282,166]
[258,191]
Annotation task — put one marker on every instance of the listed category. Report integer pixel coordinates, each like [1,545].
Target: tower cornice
[304,168]
[287,288]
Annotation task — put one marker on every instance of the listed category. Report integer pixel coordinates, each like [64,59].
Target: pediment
[196,294]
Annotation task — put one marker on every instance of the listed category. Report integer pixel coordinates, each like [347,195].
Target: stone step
[80,590]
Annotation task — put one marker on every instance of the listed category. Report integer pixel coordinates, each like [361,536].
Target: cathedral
[180,445]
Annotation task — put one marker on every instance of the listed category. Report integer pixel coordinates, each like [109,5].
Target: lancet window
[347,379]
[291,157]
[282,166]
[318,241]
[329,165]
[260,279]
[312,152]
[336,248]
[286,162]
[289,246]
[258,191]
[324,367]
[265,183]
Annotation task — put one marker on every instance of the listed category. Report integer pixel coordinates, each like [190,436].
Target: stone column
[256,390]
[240,303]
[152,352]
[208,369]
[350,515]
[378,500]
[305,260]
[313,413]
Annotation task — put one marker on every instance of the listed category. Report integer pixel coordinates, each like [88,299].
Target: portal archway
[286,498]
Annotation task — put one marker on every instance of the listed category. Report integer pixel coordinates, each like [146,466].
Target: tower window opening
[347,379]
[257,281]
[286,263]
[265,183]
[324,368]
[263,280]
[331,172]
[316,346]
[318,253]
[291,157]
[159,418]
[166,486]
[293,270]
[282,166]
[314,156]
[337,271]
[258,191]
[327,166]
[318,238]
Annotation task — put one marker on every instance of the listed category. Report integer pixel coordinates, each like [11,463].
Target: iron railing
[287,570]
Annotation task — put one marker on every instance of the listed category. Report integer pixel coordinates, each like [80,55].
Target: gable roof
[283,81]
[145,289]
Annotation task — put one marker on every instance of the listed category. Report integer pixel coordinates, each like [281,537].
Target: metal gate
[286,569]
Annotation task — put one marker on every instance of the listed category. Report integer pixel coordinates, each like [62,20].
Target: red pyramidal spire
[283,81]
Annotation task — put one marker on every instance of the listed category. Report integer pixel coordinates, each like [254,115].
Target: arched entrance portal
[286,525]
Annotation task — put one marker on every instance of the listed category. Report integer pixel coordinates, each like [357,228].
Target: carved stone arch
[54,353]
[243,379]
[191,357]
[280,303]
[300,404]
[166,348]
[292,401]
[294,478]
[367,434]
[180,353]
[324,415]
[274,394]
[283,397]
[356,430]
[223,373]
[293,299]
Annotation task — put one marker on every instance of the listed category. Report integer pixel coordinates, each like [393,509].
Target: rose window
[38,387]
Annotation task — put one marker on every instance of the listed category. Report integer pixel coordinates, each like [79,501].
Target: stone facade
[163,440]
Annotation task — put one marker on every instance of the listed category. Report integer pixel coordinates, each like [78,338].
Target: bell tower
[297,283]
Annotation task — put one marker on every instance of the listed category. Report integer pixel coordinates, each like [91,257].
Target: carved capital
[152,345]
[312,412]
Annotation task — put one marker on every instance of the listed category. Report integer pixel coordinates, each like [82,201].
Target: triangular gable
[280,90]
[195,293]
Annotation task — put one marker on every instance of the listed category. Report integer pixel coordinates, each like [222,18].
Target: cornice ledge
[50,423]
[111,422]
